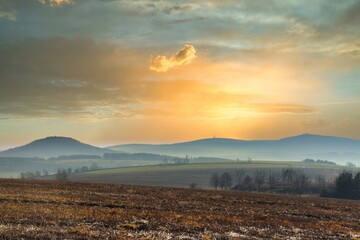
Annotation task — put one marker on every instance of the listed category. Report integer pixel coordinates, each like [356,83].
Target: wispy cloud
[282,108]
[183,57]
[7,11]
[54,3]
[315,123]
[71,80]
[8,15]
[151,7]
[82,78]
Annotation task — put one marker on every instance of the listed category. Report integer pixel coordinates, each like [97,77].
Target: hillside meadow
[200,173]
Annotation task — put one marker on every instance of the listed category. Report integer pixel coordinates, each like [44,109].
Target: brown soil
[68,210]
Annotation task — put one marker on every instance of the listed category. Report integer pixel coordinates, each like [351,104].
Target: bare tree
[239,175]
[288,175]
[187,159]
[45,172]
[330,179]
[61,174]
[29,175]
[320,179]
[192,185]
[215,180]
[301,181]
[272,179]
[22,175]
[84,169]
[37,174]
[259,178]
[94,166]
[225,181]
[164,162]
[248,183]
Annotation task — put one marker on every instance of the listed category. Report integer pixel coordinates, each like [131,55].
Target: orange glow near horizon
[168,71]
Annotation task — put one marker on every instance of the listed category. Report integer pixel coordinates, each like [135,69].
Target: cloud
[60,76]
[282,108]
[54,3]
[157,7]
[77,77]
[8,15]
[315,123]
[7,11]
[183,57]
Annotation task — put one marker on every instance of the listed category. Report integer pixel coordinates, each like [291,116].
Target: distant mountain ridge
[290,148]
[54,147]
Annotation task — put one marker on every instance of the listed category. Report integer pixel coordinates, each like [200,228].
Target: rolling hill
[54,147]
[296,148]
[292,148]
[183,175]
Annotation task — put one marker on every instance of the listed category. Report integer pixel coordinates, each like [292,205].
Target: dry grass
[54,210]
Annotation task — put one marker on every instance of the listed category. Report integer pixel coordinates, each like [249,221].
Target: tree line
[34,174]
[61,173]
[346,185]
[176,160]
[289,180]
[310,160]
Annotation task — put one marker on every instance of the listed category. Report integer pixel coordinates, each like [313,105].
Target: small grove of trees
[288,175]
[294,180]
[33,174]
[301,182]
[289,180]
[192,185]
[93,166]
[77,156]
[272,179]
[224,181]
[259,179]
[239,176]
[133,156]
[176,160]
[81,169]
[310,160]
[62,174]
[215,181]
[347,185]
[248,184]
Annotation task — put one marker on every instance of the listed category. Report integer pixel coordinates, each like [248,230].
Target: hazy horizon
[123,71]
[160,143]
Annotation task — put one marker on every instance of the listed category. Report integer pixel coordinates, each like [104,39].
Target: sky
[128,71]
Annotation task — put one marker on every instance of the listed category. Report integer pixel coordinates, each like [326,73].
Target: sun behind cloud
[183,57]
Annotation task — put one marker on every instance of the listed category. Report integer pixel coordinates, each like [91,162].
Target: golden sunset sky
[125,71]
